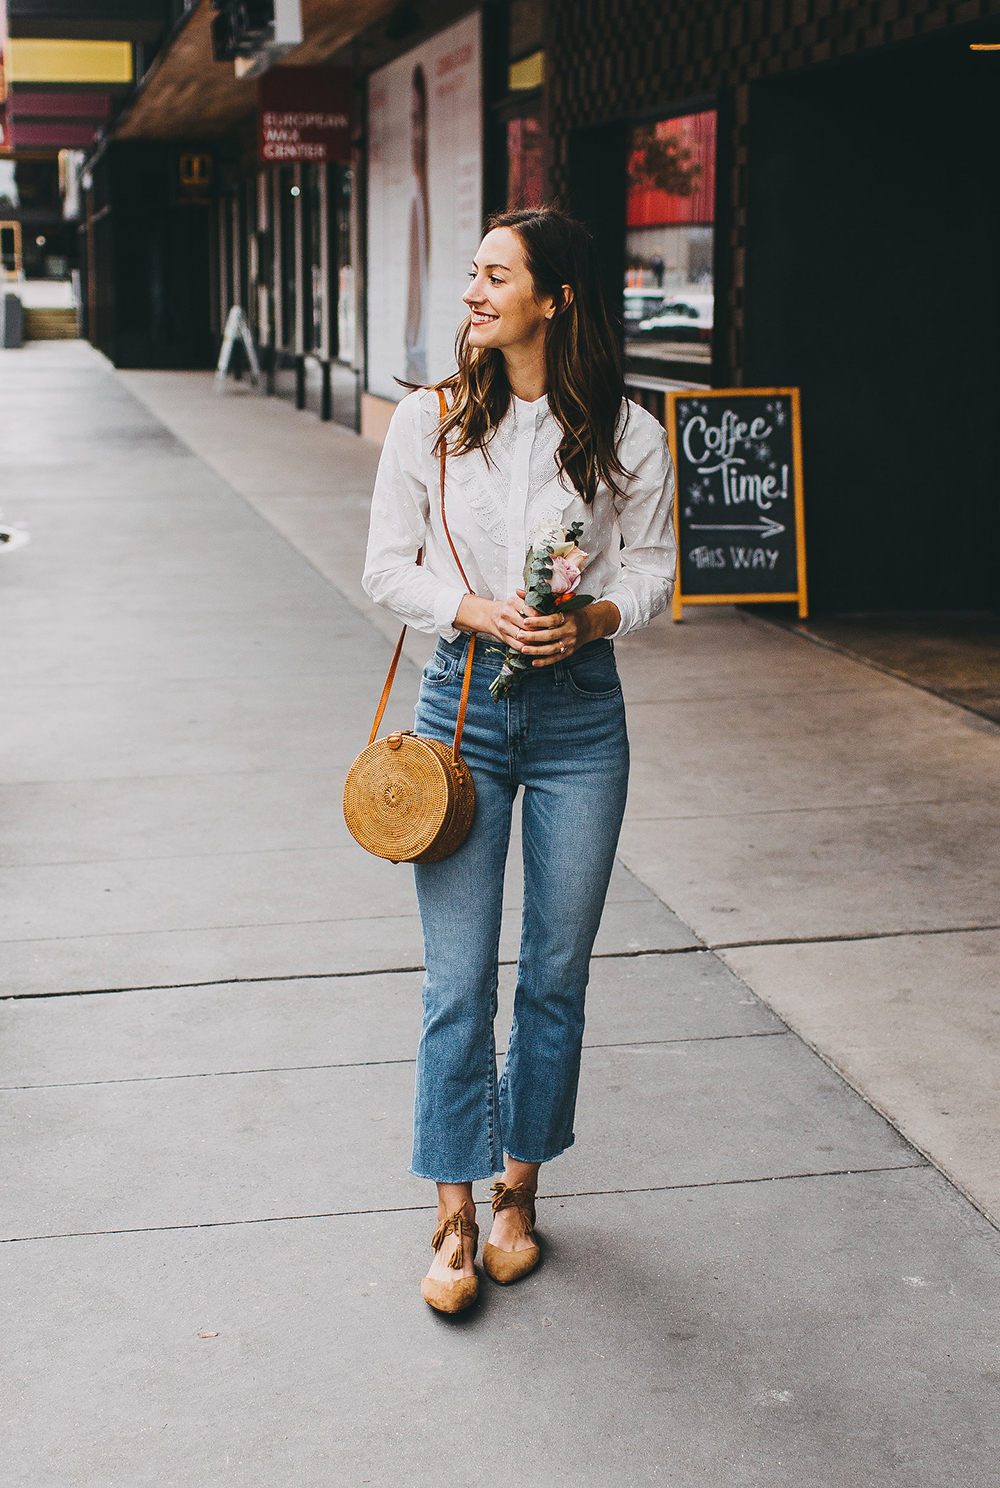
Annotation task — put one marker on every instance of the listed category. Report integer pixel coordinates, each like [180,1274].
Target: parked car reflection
[640,304]
[678,329]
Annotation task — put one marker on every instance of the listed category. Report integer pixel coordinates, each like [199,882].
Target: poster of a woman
[418,274]
[424,205]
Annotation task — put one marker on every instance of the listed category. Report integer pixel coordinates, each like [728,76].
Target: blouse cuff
[624,604]
[446,604]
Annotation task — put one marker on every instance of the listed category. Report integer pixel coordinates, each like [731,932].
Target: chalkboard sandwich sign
[738,510]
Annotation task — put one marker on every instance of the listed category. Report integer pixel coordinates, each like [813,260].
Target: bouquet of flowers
[551,580]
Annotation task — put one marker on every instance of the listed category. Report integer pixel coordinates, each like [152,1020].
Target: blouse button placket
[526,415]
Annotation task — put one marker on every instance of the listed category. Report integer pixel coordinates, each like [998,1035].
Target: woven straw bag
[406,798]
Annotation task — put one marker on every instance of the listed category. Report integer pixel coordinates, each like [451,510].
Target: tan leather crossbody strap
[442,400]
[460,724]
[394,663]
[466,681]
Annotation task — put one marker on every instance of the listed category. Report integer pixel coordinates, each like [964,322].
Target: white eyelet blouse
[496,502]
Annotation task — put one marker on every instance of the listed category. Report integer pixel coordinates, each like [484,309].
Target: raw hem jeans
[561,736]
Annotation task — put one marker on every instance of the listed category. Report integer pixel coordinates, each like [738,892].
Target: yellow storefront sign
[31,59]
[528,73]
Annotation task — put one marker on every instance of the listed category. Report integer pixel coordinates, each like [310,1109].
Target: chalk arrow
[765,527]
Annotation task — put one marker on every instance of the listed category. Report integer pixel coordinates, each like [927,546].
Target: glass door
[670,232]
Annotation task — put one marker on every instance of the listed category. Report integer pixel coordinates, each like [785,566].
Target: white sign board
[424,205]
[236,327]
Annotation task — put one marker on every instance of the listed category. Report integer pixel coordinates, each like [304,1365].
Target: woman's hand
[542,639]
[503,619]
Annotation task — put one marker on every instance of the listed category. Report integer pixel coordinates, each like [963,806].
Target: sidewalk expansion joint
[95,864]
[596,1193]
[44,781]
[209,929]
[292,1069]
[302,976]
[793,940]
[687,950]
[312,976]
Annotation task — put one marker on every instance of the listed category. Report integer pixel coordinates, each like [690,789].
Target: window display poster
[424,205]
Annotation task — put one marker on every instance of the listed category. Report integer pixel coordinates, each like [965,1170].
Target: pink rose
[565,576]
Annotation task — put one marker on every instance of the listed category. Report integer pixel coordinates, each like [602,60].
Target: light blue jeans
[561,737]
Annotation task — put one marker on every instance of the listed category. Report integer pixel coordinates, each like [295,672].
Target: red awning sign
[304,113]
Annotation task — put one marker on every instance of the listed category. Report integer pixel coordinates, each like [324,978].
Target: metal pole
[326,398]
[278,257]
[224,300]
[300,298]
[326,338]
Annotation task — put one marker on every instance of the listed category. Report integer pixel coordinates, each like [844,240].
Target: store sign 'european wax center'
[304,114]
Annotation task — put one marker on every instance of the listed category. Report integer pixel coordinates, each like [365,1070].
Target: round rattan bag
[409,799]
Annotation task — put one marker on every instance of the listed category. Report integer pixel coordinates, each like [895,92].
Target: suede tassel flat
[506,1266]
[457,1295]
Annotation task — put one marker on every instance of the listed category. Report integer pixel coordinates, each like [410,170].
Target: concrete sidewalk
[751,1277]
[831,831]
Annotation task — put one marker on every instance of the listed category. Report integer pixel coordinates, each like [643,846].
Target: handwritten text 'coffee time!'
[711,448]
[721,442]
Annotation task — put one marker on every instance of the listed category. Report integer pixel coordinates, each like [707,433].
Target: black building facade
[856,223]
[791,193]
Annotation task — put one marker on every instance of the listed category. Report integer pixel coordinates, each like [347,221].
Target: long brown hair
[583,371]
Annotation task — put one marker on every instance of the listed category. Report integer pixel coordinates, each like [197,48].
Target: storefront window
[669,248]
[525,164]
[340,196]
[286,197]
[312,225]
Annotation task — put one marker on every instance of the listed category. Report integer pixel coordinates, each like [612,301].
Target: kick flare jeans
[560,737]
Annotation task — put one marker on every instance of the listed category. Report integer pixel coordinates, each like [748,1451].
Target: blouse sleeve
[399,526]
[646,517]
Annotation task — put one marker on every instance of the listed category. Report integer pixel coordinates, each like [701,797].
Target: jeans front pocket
[594,675]
[439,671]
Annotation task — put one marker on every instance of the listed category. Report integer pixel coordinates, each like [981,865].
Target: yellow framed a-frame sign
[738,511]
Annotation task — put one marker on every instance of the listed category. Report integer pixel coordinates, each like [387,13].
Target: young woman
[538,433]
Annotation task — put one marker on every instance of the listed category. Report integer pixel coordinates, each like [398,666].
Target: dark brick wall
[610,59]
